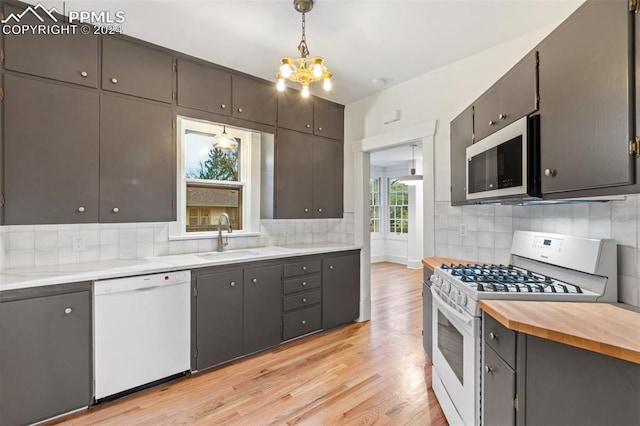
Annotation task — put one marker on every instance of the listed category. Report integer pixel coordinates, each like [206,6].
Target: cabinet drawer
[300,300]
[301,322]
[302,283]
[302,268]
[500,339]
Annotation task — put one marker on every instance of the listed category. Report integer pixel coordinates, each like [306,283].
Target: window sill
[209,235]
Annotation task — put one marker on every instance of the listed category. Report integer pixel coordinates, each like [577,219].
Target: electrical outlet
[442,221]
[78,244]
[463,230]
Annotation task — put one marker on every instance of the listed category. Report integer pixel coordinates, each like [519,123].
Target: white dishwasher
[141,330]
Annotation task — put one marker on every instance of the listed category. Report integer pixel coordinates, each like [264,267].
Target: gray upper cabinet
[461,138]
[328,119]
[262,321]
[585,67]
[72,58]
[45,356]
[137,161]
[328,173]
[295,112]
[51,152]
[253,100]
[293,185]
[136,70]
[513,97]
[218,318]
[340,289]
[204,87]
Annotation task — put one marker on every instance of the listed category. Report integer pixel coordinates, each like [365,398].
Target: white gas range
[543,266]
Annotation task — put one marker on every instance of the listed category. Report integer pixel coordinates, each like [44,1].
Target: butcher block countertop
[433,262]
[598,327]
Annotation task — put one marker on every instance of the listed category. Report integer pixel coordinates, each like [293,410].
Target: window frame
[379,206]
[389,234]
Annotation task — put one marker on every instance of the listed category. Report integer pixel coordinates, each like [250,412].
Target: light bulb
[285,69]
[317,70]
[280,85]
[327,84]
[305,91]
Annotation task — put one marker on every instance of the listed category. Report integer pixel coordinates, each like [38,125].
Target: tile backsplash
[490,229]
[41,245]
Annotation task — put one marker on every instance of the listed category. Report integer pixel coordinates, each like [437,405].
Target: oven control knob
[463,300]
[446,287]
[454,295]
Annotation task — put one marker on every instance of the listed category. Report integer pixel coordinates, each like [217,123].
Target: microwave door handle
[448,309]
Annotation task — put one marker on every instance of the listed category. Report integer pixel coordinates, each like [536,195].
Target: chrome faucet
[220,243]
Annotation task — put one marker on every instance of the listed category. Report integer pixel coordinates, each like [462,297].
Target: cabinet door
[136,70]
[66,57]
[45,357]
[519,91]
[461,138]
[340,290]
[51,152]
[485,118]
[295,112]
[253,100]
[328,172]
[204,88]
[499,390]
[218,318]
[294,155]
[584,100]
[262,308]
[137,170]
[328,119]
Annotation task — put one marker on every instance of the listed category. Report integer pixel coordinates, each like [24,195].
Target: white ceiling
[396,156]
[360,39]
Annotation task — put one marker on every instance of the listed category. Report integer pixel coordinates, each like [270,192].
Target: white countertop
[17,278]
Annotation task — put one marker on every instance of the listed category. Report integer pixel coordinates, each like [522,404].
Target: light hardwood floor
[364,373]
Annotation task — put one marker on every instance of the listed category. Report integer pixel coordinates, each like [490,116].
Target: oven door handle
[448,309]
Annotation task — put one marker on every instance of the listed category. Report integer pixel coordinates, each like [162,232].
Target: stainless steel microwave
[506,164]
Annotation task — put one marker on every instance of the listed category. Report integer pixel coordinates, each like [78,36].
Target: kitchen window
[398,207]
[213,181]
[374,205]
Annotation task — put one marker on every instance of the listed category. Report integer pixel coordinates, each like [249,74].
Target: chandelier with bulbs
[305,69]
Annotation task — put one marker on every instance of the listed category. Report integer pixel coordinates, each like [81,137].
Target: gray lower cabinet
[340,289]
[585,76]
[302,297]
[72,58]
[51,152]
[45,355]
[137,161]
[262,308]
[218,318]
[527,380]
[461,138]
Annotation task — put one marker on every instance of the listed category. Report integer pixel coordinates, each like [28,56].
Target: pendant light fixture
[305,69]
[224,141]
[413,178]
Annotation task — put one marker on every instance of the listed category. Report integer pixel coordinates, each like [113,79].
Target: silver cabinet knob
[114,80]
[549,172]
[492,123]
[488,369]
[115,210]
[331,267]
[304,268]
[255,280]
[232,283]
[239,109]
[223,106]
[319,129]
[68,311]
[308,126]
[84,73]
[304,283]
[306,210]
[304,300]
[319,210]
[303,322]
[493,336]
[81,209]
[502,116]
